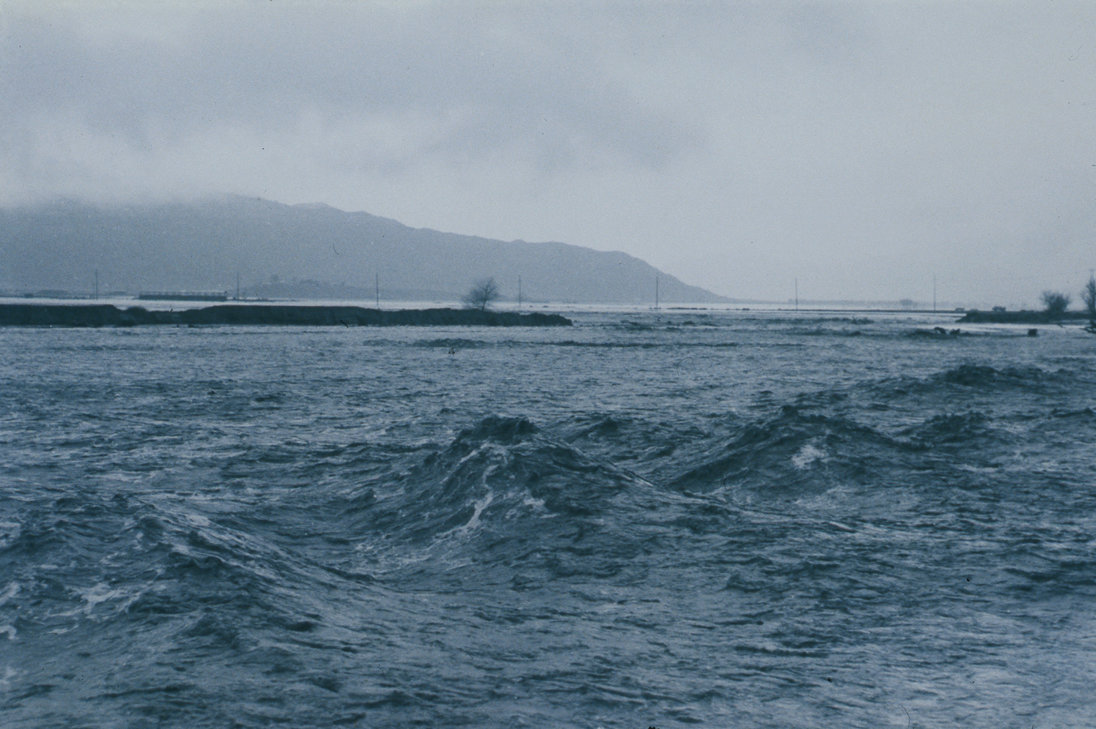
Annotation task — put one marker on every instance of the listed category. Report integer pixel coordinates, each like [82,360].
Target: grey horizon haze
[861,148]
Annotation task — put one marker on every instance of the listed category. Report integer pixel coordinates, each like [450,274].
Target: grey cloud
[262,70]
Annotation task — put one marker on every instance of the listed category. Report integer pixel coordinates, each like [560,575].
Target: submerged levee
[99,315]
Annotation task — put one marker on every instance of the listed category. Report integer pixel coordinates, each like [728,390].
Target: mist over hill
[311,251]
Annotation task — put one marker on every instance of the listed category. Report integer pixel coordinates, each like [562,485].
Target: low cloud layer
[860,148]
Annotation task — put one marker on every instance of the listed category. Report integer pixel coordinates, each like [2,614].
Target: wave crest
[792,449]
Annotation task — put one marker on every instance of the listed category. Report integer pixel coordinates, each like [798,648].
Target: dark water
[677,520]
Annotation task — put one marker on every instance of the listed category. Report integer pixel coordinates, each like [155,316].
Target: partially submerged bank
[1022,317]
[106,315]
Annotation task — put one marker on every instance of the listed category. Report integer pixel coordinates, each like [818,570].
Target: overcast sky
[859,147]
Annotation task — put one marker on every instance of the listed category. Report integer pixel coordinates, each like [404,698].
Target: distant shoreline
[108,315]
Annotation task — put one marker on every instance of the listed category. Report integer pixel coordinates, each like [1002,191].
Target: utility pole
[519,293]
[797,294]
[934,293]
[237,286]
[377,288]
[97,283]
[656,292]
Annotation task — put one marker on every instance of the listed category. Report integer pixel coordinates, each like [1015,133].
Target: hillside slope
[310,250]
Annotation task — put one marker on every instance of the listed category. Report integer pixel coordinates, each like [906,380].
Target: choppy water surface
[675,519]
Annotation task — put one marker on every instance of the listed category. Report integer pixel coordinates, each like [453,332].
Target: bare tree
[1056,303]
[1088,295]
[482,294]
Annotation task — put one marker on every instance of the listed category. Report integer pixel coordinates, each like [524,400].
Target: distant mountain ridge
[310,250]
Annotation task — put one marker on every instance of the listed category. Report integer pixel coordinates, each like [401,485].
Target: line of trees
[1055,303]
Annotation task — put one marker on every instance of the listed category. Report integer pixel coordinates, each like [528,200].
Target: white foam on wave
[478,505]
[5,680]
[9,532]
[477,509]
[807,456]
[9,592]
[533,503]
[98,593]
